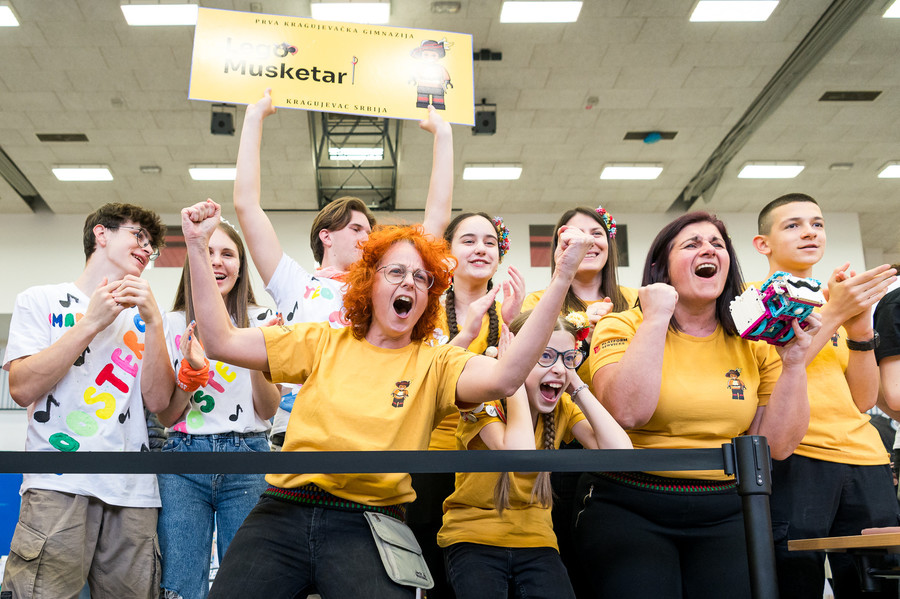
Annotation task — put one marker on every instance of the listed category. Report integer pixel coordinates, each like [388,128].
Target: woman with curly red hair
[323,541]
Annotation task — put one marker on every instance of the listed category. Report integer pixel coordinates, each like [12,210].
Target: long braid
[542,491]
[493,338]
[501,489]
[450,310]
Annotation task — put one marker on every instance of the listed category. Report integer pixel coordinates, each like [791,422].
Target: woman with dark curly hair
[400,387]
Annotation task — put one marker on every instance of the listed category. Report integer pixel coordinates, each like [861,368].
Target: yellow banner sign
[332,67]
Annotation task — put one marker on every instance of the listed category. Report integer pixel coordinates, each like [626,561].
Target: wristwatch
[869,345]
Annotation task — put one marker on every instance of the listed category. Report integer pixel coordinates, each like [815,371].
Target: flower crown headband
[582,324]
[608,220]
[502,235]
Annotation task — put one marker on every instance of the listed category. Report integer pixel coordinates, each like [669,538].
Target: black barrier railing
[746,457]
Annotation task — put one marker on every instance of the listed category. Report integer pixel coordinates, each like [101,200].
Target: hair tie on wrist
[189,380]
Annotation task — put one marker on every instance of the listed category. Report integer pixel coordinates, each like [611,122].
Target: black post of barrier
[752,468]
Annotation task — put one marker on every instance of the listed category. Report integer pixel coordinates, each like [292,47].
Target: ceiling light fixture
[893,11]
[540,12]
[633,171]
[151,15]
[7,16]
[212,172]
[373,13]
[492,172]
[891,170]
[356,153]
[733,10]
[771,170]
[85,172]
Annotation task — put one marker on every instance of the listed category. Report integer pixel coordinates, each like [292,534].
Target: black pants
[424,517]
[645,544]
[813,498]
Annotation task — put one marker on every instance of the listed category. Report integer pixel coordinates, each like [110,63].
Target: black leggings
[642,543]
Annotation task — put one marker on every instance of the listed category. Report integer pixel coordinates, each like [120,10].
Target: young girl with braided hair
[471,317]
[594,293]
[471,313]
[497,534]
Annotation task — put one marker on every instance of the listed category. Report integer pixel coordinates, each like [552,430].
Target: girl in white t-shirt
[216,407]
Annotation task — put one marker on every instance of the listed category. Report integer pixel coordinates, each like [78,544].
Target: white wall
[41,249]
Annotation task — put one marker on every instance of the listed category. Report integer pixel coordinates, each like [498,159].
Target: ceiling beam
[831,26]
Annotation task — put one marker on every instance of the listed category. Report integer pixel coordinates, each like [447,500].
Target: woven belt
[649,482]
[313,495]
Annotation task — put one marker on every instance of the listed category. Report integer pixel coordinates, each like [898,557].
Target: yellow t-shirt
[443,437]
[584,371]
[838,431]
[469,513]
[710,391]
[356,396]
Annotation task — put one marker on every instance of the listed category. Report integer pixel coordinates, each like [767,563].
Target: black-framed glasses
[572,358]
[143,239]
[396,273]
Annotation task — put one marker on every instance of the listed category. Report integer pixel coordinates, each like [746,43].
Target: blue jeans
[489,572]
[193,503]
[285,550]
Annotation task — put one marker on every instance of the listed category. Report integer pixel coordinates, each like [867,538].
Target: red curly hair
[436,257]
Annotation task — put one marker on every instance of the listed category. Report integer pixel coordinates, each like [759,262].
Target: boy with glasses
[85,358]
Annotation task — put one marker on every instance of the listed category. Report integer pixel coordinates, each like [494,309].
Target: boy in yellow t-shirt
[838,480]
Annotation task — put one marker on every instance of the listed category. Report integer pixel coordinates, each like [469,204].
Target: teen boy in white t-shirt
[85,358]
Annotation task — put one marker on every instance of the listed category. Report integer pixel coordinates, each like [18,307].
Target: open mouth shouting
[550,392]
[706,270]
[403,305]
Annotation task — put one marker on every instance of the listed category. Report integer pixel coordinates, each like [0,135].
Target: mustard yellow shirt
[443,437]
[838,431]
[356,396]
[584,371]
[470,515]
[711,386]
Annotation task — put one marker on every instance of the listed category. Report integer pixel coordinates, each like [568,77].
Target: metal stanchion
[753,473]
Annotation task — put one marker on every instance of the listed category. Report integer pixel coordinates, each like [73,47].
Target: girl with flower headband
[471,316]
[497,532]
[594,292]
[216,407]
[471,313]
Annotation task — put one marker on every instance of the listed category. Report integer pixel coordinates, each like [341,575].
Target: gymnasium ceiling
[75,66]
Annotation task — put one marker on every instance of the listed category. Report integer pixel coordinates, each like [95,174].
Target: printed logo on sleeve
[609,343]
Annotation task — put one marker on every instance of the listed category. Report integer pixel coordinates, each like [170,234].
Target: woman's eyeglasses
[396,273]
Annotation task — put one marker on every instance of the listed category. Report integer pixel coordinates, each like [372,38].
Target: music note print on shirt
[44,415]
[79,361]
[68,301]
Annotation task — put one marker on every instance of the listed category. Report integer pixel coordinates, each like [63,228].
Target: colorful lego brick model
[766,313]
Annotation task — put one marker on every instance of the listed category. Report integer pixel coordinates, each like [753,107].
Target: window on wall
[173,254]
[540,236]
